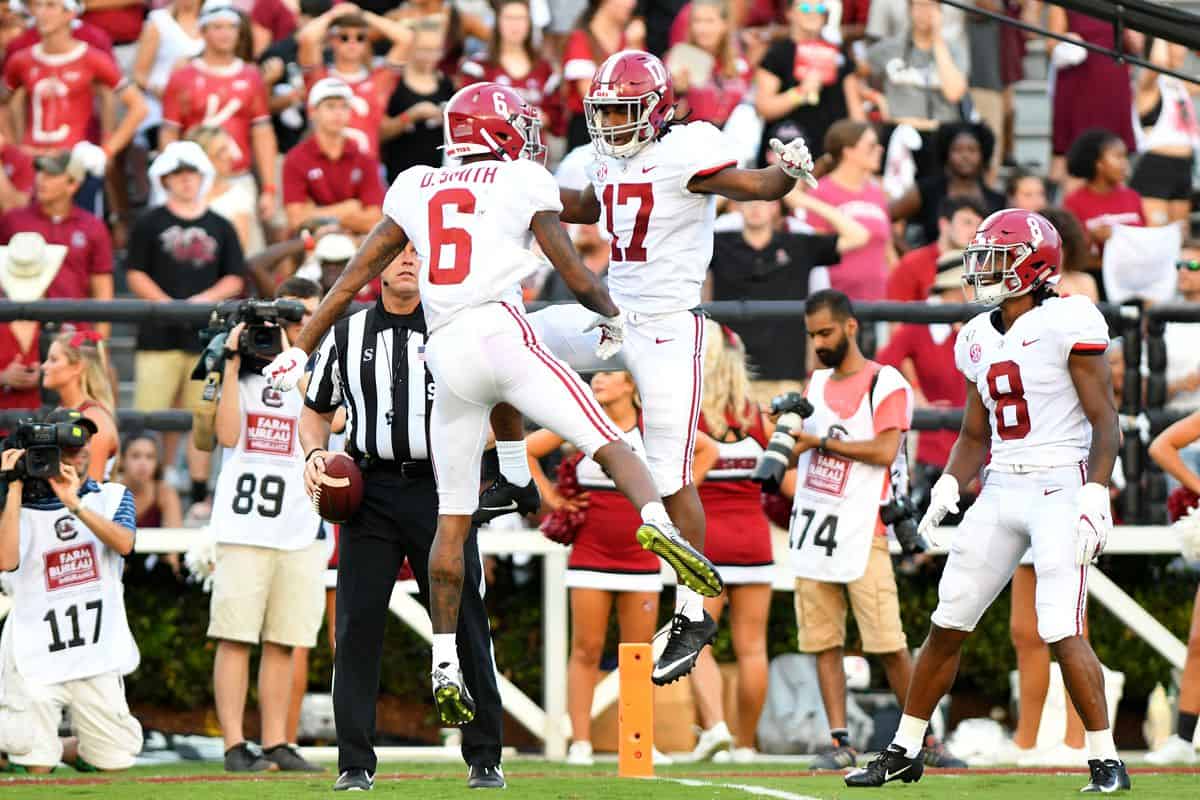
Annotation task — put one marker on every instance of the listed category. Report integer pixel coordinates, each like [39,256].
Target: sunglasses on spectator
[352,37]
[1190,266]
[812,8]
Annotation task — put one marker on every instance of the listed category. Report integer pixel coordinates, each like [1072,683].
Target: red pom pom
[1180,501]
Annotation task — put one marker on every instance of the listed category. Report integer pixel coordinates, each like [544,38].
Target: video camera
[261,340]
[43,443]
[792,409]
[901,514]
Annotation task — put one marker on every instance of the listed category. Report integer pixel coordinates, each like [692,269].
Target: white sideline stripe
[761,791]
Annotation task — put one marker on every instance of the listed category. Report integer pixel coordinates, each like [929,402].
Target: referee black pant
[398,519]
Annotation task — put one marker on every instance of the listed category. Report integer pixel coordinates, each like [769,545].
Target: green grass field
[542,780]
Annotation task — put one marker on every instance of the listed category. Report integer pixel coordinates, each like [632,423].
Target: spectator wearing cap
[87,271]
[347,30]
[218,89]
[16,176]
[327,175]
[27,268]
[77,369]
[181,250]
[924,354]
[958,219]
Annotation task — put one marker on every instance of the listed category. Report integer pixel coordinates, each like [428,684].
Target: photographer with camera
[66,643]
[844,438]
[268,581]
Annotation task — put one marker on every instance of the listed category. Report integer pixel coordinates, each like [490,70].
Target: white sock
[514,465]
[1100,745]
[656,513]
[910,735]
[688,603]
[445,650]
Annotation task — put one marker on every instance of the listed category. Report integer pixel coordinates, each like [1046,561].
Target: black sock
[199,491]
[1187,726]
[841,737]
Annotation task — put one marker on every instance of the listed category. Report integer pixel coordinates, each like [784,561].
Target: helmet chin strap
[496,148]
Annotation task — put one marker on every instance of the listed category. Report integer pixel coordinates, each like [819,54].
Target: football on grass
[341,488]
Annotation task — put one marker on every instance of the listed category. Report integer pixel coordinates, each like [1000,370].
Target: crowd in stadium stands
[209,151]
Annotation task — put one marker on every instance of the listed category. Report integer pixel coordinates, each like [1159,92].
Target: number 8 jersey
[260,498]
[1023,379]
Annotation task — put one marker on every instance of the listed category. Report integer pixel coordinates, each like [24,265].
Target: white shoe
[744,755]
[661,759]
[580,754]
[1175,750]
[1060,755]
[712,741]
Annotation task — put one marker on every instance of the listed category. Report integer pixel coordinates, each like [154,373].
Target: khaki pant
[276,596]
[821,608]
[164,380]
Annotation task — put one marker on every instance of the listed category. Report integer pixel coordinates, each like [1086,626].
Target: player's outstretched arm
[582,282]
[383,243]
[579,207]
[737,184]
[1093,382]
[974,438]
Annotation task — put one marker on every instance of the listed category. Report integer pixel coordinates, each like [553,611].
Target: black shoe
[936,755]
[686,641]
[354,780]
[489,777]
[890,765]
[692,568]
[287,757]
[838,758]
[503,498]
[454,703]
[1107,776]
[240,758]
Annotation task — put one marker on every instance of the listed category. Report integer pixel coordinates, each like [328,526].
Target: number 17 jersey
[1024,381]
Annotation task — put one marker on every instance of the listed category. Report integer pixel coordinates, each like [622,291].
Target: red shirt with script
[231,97]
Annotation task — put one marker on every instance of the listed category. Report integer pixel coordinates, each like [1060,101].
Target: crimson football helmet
[639,84]
[490,119]
[1013,253]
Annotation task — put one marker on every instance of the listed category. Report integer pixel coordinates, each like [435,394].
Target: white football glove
[1093,522]
[286,370]
[943,500]
[1187,528]
[795,160]
[612,334]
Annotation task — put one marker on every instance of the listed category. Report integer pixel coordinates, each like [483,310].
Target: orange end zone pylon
[635,720]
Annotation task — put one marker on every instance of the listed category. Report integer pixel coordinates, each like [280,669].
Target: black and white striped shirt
[373,362]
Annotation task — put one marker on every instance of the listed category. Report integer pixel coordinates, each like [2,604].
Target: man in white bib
[837,541]
[66,643]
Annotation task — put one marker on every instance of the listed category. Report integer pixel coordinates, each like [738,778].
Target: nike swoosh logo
[647,169]
[1048,492]
[512,506]
[887,776]
[668,667]
[662,341]
[1025,343]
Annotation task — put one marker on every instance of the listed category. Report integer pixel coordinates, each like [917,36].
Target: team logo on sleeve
[71,566]
[270,434]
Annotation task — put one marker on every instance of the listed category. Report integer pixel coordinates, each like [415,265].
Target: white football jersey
[1023,379]
[68,618]
[470,227]
[661,233]
[260,498]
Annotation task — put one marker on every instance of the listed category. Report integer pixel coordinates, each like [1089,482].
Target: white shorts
[665,354]
[614,581]
[489,355]
[1033,510]
[109,736]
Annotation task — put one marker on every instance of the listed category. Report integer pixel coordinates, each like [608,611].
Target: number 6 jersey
[260,498]
[1023,379]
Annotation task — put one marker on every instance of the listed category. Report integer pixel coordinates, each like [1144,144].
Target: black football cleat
[838,758]
[503,498]
[684,644]
[1107,776]
[454,703]
[486,777]
[890,765]
[937,755]
[354,780]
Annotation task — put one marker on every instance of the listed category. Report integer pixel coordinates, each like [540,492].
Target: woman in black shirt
[412,130]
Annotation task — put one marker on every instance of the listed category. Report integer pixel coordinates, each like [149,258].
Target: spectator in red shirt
[86,272]
[122,21]
[958,219]
[220,90]
[270,21]
[16,176]
[512,60]
[711,97]
[347,31]
[1099,157]
[326,175]
[81,30]
[599,33]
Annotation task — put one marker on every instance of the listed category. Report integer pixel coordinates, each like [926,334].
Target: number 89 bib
[260,498]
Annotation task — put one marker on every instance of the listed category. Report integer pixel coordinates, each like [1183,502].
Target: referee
[373,363]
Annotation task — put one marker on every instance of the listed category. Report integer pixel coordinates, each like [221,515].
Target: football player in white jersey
[1039,396]
[471,226]
[653,188]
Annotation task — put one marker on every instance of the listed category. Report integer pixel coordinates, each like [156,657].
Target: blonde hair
[90,348]
[727,376]
[727,50]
